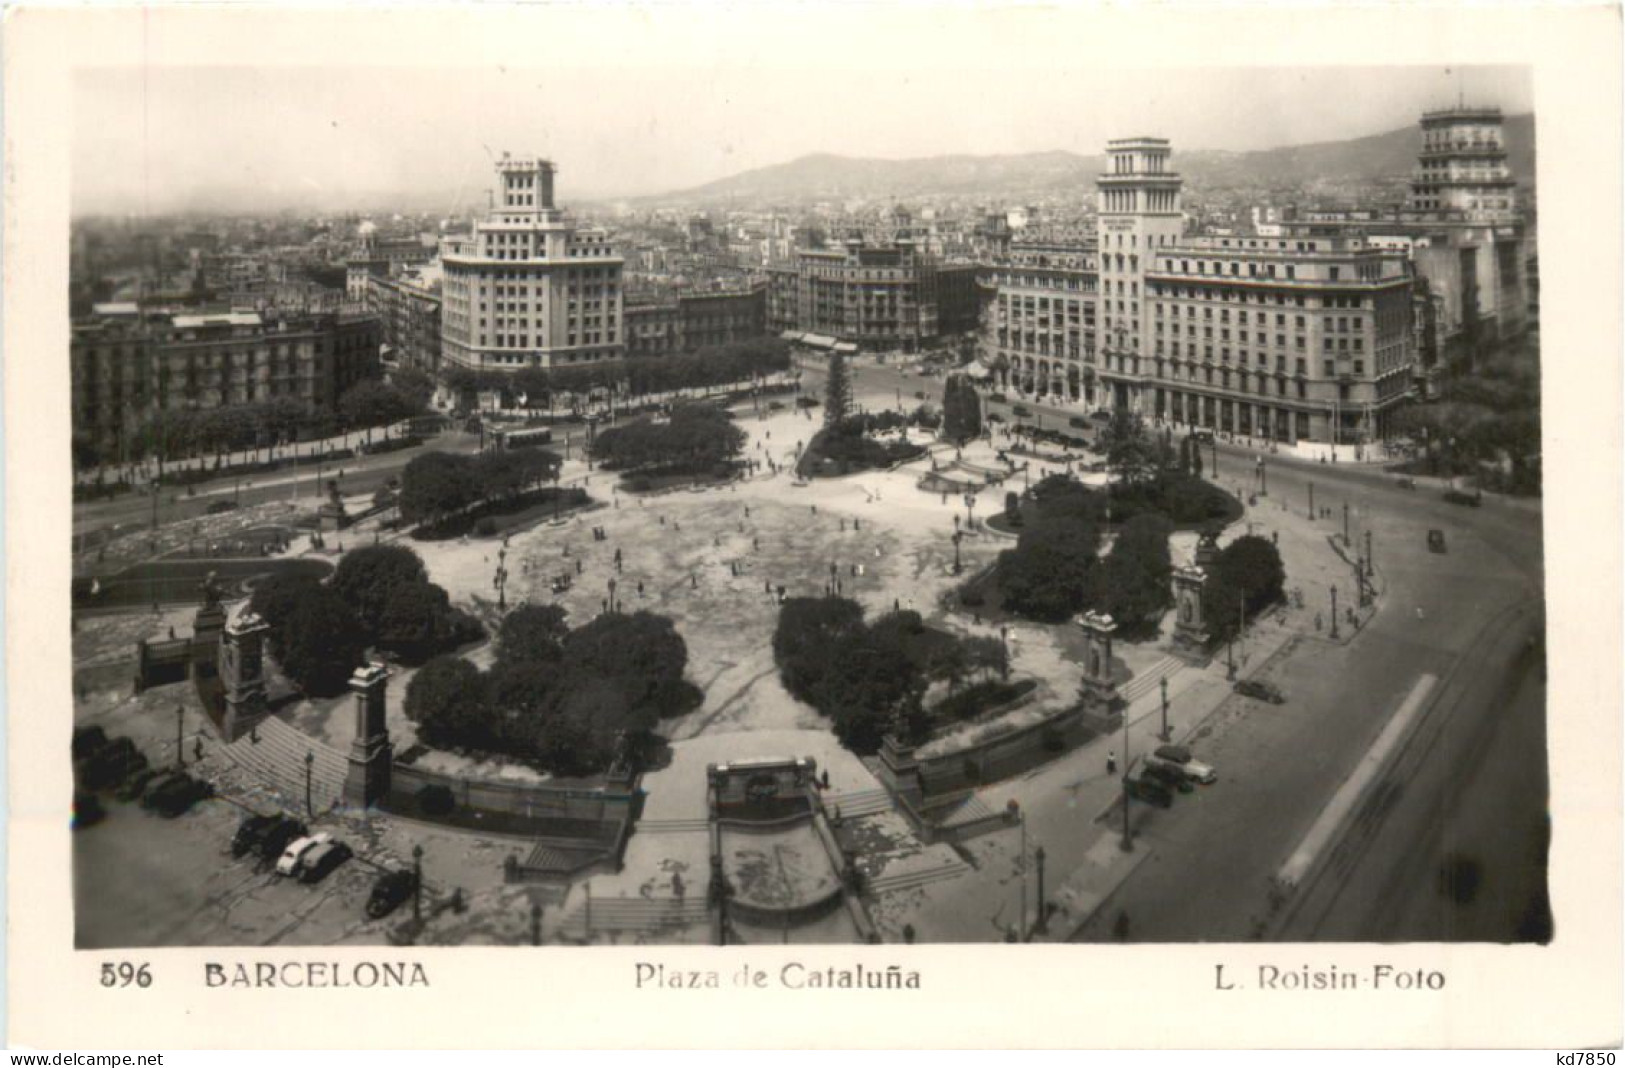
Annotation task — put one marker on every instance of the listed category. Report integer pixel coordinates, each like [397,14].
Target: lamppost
[1042,926]
[1127,842]
[1230,659]
[502,579]
[180,736]
[612,595]
[417,885]
[1166,734]
[310,763]
[1263,479]
[958,535]
[1214,450]
[1311,500]
[1334,613]
[1345,524]
[970,506]
[1369,570]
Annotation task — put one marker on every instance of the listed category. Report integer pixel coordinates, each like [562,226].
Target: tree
[987,655]
[1129,449]
[436,485]
[369,576]
[961,409]
[371,403]
[447,701]
[532,633]
[414,386]
[276,594]
[1132,583]
[416,621]
[1253,566]
[804,641]
[837,391]
[320,642]
[1047,575]
[642,650]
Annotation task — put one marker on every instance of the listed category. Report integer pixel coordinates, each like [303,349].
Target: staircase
[1148,680]
[918,877]
[633,914]
[688,826]
[278,761]
[855,803]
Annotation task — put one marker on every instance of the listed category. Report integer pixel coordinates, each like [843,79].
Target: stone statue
[211,592]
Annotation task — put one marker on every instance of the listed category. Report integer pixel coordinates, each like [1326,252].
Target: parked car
[1169,776]
[293,857]
[221,507]
[388,892]
[1436,541]
[88,741]
[135,787]
[112,764]
[1406,483]
[1180,757]
[321,861]
[156,784]
[180,795]
[1263,691]
[277,838]
[1146,788]
[251,832]
[87,810]
[1470,500]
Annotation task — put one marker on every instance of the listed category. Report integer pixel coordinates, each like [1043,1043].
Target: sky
[643,106]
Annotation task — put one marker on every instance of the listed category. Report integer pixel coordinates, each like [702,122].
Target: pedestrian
[640,588]
[197,750]
[1111,762]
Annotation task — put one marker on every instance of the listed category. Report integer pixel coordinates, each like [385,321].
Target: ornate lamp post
[1345,524]
[310,763]
[958,536]
[1334,613]
[1311,500]
[417,885]
[1166,734]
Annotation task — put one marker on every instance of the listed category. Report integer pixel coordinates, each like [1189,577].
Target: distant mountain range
[1380,157]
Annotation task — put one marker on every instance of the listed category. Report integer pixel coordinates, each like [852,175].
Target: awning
[845,346]
[817,341]
[790,335]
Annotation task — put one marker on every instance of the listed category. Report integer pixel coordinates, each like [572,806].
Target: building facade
[693,321]
[126,369]
[408,312]
[529,288]
[1285,337]
[879,298]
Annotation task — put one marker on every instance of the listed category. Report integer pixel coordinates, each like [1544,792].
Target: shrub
[436,800]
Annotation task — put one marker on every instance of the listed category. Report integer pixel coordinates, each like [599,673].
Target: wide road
[1463,616]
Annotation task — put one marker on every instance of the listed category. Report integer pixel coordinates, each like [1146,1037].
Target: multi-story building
[1291,338]
[382,258]
[693,321]
[1041,322]
[881,298]
[529,288]
[126,368]
[408,311]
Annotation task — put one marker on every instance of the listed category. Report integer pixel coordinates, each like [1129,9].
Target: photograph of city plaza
[1132,537]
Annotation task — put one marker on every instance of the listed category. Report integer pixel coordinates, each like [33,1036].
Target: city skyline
[341,138]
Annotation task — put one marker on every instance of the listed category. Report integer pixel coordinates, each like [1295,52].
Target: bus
[524,438]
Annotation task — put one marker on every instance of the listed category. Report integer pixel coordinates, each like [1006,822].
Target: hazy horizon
[156,140]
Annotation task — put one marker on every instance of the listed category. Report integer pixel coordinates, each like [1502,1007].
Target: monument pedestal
[242,675]
[1102,705]
[371,754]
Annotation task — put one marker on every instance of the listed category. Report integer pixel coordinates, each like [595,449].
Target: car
[388,892]
[157,784]
[112,764]
[180,795]
[1406,483]
[1436,541]
[87,810]
[293,857]
[251,832]
[1469,500]
[277,838]
[1263,691]
[1152,791]
[1201,434]
[321,861]
[1169,776]
[1180,757]
[221,507]
[134,787]
[88,741]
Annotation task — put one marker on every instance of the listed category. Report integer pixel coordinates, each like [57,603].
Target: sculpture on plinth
[1190,628]
[1102,704]
[242,674]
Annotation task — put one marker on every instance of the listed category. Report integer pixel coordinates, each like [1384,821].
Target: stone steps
[1148,680]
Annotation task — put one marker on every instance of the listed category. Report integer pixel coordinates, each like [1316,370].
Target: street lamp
[612,595]
[1127,841]
[1369,570]
[417,885]
[1334,613]
[1042,926]
[1311,500]
[180,736]
[310,763]
[1166,734]
[1263,479]
[958,535]
[1345,523]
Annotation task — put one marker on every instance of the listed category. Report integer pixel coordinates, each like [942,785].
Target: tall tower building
[1139,213]
[528,288]
[1463,166]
